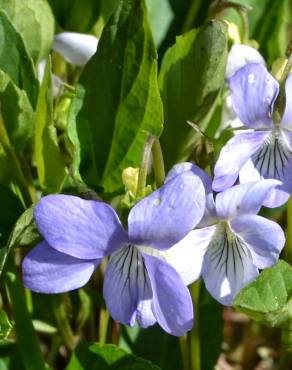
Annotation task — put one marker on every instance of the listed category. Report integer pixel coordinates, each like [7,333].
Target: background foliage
[158,64]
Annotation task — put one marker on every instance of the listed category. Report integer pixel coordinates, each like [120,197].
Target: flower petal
[187,255]
[287,117]
[273,160]
[239,56]
[228,266]
[81,228]
[240,148]
[75,48]
[209,217]
[169,213]
[253,92]
[127,288]
[46,270]
[243,199]
[265,238]
[172,304]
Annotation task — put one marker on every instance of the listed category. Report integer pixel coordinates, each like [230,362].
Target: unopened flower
[139,285]
[76,48]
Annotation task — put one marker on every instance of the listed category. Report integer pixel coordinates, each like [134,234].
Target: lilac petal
[209,217]
[46,270]
[265,238]
[227,266]
[234,155]
[253,92]
[239,56]
[243,199]
[127,288]
[75,48]
[287,117]
[178,169]
[187,255]
[81,228]
[172,304]
[168,214]
[272,160]
[277,196]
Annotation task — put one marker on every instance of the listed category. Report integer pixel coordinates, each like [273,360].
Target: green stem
[184,350]
[54,350]
[28,343]
[192,15]
[194,337]
[209,146]
[144,167]
[220,5]
[288,246]
[60,314]
[286,350]
[158,163]
[288,65]
[103,325]
[280,103]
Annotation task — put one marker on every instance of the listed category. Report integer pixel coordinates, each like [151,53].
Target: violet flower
[232,242]
[139,285]
[265,151]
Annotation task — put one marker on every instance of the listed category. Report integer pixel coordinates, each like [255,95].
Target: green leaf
[50,164]
[268,298]
[148,343]
[15,60]
[210,329]
[24,234]
[121,103]
[17,113]
[5,325]
[191,76]
[10,358]
[34,20]
[161,16]
[107,357]
[29,345]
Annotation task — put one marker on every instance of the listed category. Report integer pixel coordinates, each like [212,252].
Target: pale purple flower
[232,242]
[139,285]
[265,151]
[76,48]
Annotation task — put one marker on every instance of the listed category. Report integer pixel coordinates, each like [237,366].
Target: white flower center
[272,157]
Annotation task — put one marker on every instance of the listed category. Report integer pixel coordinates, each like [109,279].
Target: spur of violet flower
[139,285]
[264,151]
[232,242]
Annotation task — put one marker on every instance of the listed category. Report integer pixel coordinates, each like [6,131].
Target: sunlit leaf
[108,357]
[268,298]
[34,20]
[15,60]
[191,76]
[121,103]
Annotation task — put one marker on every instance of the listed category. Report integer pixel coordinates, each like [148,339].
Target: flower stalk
[62,322]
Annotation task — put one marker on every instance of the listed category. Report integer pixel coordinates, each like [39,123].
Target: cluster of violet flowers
[191,227]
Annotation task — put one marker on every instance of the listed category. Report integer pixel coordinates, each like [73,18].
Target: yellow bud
[130,179]
[233,32]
